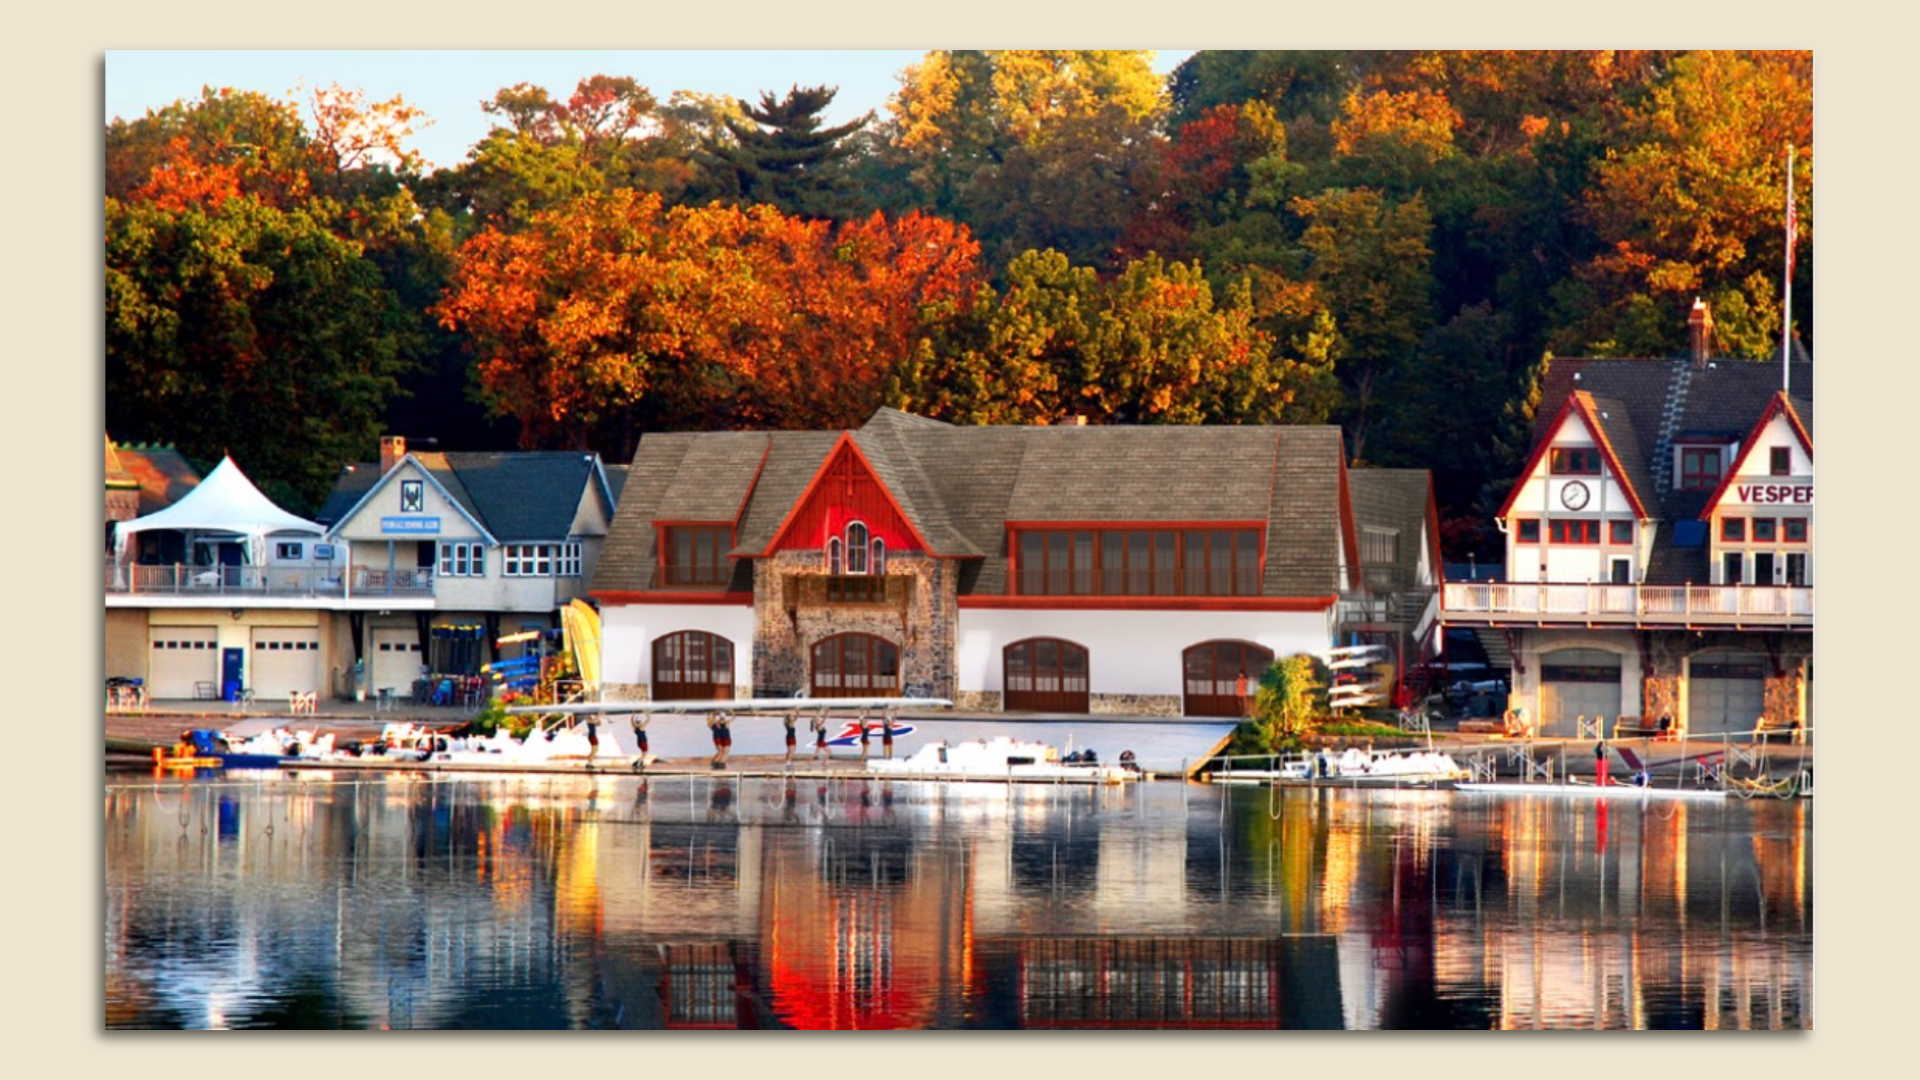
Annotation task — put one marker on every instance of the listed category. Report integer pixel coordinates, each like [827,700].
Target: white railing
[174,579]
[1597,602]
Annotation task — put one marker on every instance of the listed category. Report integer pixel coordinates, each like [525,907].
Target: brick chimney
[1700,333]
[392,449]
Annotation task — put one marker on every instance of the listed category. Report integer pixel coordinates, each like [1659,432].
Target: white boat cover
[225,502]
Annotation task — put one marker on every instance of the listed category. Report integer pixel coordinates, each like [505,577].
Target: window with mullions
[463,560]
[1137,562]
[695,555]
[1699,467]
[857,547]
[1575,461]
[1573,531]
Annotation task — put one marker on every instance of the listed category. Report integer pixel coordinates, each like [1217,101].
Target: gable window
[857,547]
[1733,530]
[1137,562]
[1699,467]
[1794,529]
[1529,531]
[879,556]
[1573,531]
[463,560]
[289,551]
[1575,461]
[1763,529]
[836,550]
[568,564]
[413,497]
[1780,461]
[1379,547]
[692,555]
[1620,532]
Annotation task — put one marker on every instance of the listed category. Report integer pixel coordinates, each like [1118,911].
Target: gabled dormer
[1579,511]
[1760,517]
[848,515]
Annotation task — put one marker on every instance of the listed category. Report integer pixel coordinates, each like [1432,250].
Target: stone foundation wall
[792,614]
[1134,704]
[1787,658]
[977,701]
[625,692]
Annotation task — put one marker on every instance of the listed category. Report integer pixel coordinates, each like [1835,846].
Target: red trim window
[1794,530]
[1137,562]
[1699,468]
[1733,530]
[1574,461]
[1573,531]
[1763,530]
[1527,531]
[1620,532]
[696,554]
[1780,461]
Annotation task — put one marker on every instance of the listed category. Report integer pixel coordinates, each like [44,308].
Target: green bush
[1290,701]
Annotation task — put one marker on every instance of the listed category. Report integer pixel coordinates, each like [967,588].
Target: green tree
[779,154]
[241,328]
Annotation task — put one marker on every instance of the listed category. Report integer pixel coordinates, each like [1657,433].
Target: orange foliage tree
[611,314]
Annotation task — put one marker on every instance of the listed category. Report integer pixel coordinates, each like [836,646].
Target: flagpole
[1786,291]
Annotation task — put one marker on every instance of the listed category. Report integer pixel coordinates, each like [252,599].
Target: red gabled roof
[1582,402]
[845,443]
[1780,404]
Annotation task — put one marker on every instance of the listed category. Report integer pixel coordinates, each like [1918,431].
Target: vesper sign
[1799,494]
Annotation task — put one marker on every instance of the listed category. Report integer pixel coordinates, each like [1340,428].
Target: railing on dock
[1634,604]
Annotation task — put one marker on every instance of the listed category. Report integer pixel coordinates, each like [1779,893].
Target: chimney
[1700,332]
[392,449]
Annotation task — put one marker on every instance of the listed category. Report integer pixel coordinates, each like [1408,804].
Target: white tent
[226,502]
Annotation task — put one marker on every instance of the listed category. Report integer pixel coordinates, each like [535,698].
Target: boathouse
[1075,569]
[1659,547]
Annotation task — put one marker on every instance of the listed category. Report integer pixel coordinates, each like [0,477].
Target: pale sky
[450,85]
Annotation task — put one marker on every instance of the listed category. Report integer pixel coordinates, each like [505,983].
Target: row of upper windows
[466,559]
[1700,466]
[1574,531]
[1763,530]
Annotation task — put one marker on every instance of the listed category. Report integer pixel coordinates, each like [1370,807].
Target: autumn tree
[778,153]
[1029,149]
[240,327]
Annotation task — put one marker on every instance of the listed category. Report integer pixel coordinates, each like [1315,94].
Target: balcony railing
[1630,604]
[214,582]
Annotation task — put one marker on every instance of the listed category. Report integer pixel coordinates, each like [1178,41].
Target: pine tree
[781,156]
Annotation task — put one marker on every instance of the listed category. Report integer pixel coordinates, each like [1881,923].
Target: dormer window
[690,554]
[835,557]
[1699,468]
[1575,461]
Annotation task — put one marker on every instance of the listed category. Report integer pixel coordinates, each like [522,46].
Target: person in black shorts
[866,740]
[722,739]
[788,722]
[819,724]
[886,738]
[640,740]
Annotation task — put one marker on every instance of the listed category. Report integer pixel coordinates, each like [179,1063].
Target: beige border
[54,299]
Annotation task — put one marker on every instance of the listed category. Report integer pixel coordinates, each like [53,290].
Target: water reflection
[409,901]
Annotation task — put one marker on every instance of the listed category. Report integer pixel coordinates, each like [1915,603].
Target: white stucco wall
[628,631]
[1755,492]
[1129,652]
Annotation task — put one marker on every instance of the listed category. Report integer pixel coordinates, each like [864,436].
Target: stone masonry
[792,614]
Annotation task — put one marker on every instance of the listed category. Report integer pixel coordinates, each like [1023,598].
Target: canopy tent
[226,502]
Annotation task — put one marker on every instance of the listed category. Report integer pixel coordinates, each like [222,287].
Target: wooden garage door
[284,660]
[1212,675]
[856,665]
[1576,683]
[179,657]
[692,665]
[1046,675]
[396,660]
[1725,691]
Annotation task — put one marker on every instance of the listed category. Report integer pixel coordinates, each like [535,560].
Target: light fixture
[236,613]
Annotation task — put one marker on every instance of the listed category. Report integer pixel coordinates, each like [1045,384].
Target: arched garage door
[1726,690]
[692,665]
[285,660]
[1212,675]
[1578,682]
[856,665]
[1046,675]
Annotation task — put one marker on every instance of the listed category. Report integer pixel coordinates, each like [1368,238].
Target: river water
[337,900]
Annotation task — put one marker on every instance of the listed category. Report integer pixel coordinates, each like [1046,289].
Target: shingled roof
[1396,499]
[1645,406]
[517,496]
[162,473]
[961,486]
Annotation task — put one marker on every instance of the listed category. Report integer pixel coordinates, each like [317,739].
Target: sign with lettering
[1796,494]
[417,526]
